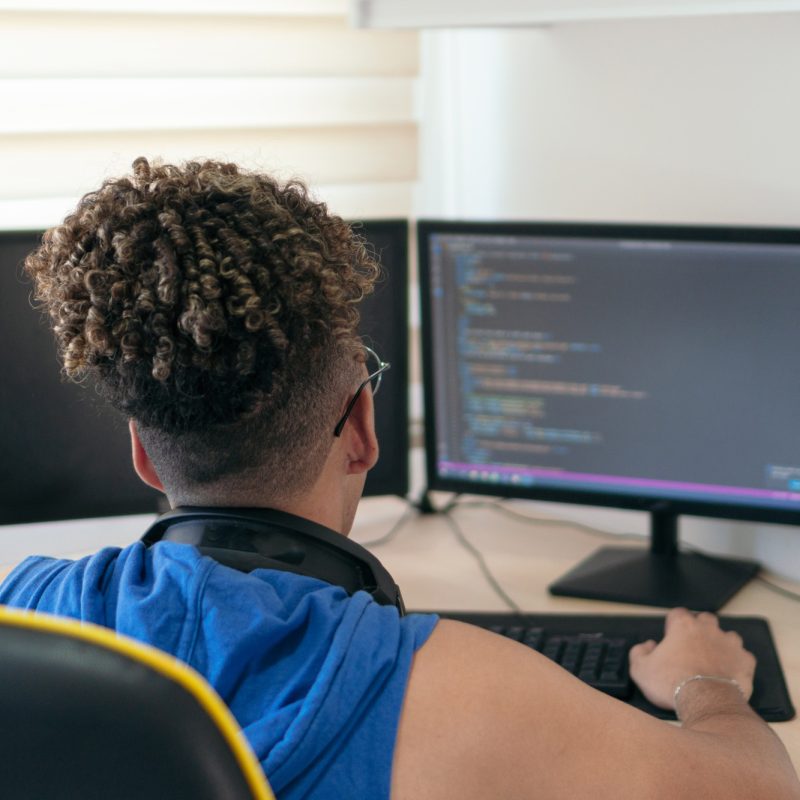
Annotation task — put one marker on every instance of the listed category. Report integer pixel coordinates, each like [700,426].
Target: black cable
[502,508]
[426,506]
[410,512]
[779,589]
[478,556]
[788,593]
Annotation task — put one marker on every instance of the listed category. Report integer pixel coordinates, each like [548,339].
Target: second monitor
[644,367]
[67,454]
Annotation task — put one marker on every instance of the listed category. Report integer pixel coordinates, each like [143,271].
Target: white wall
[693,120]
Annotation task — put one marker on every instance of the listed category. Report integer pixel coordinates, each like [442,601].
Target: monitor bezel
[644,502]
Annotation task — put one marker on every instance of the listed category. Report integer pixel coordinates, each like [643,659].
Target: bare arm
[487,717]
[695,645]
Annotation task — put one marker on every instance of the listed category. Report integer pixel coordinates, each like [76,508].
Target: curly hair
[217,308]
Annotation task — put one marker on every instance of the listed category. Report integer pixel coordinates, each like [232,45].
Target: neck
[331,501]
[327,505]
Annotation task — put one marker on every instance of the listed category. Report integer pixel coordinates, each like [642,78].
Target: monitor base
[632,575]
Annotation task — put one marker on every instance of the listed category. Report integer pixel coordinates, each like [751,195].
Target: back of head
[218,309]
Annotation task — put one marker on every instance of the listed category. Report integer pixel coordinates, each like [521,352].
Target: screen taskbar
[528,477]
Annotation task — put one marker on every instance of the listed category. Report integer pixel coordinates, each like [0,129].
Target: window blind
[289,87]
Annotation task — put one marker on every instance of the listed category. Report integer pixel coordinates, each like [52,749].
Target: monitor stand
[661,576]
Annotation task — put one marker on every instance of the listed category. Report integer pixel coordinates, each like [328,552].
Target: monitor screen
[66,454]
[633,366]
[384,325]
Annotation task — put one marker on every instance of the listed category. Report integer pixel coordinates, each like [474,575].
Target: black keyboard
[595,649]
[597,659]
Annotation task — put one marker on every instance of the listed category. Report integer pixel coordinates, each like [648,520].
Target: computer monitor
[66,454]
[384,325]
[644,367]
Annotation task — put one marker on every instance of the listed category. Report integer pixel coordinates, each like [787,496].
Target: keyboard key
[533,638]
[552,649]
[515,632]
[596,659]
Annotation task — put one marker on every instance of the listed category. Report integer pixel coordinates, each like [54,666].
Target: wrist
[701,693]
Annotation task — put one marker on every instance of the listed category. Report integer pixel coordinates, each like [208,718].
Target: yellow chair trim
[164,664]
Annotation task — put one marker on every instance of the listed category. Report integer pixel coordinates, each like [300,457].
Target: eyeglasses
[374,378]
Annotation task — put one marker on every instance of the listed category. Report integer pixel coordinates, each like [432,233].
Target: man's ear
[362,442]
[141,461]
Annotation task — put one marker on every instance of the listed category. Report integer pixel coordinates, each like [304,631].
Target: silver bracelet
[717,678]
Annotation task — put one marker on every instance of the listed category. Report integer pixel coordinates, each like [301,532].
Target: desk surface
[435,572]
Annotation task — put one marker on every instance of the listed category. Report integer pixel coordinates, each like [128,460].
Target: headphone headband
[257,538]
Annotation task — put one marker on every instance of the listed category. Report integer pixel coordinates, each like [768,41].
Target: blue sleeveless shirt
[315,678]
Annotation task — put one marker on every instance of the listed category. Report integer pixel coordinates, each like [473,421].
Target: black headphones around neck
[259,538]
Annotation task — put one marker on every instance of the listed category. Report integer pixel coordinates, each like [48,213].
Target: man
[218,311]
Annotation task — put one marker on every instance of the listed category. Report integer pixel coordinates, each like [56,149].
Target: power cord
[425,506]
[484,567]
[501,508]
[410,512]
[779,589]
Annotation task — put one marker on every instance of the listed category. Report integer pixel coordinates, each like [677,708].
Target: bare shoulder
[487,717]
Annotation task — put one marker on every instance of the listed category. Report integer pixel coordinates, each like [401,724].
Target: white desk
[435,572]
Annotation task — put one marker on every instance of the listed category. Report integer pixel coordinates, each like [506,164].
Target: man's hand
[692,645]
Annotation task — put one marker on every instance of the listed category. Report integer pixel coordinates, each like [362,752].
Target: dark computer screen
[635,366]
[384,325]
[66,454]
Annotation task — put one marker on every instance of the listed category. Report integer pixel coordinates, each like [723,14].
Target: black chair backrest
[85,713]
